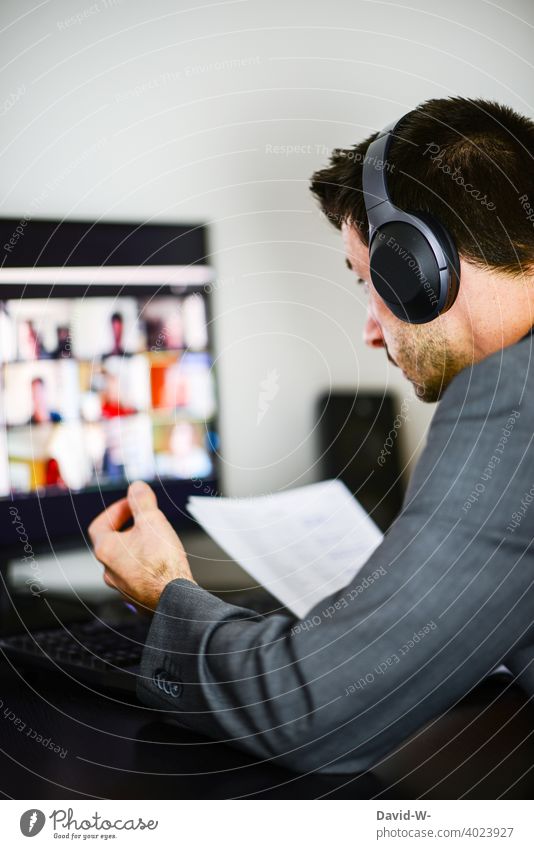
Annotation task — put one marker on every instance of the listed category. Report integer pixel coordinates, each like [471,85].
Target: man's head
[38,390]
[117,325]
[469,164]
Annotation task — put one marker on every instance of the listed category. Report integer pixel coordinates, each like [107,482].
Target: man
[117,331]
[41,412]
[454,598]
[63,349]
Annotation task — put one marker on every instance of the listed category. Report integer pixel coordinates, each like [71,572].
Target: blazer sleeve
[445,598]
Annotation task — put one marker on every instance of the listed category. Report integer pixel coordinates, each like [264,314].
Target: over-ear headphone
[413,260]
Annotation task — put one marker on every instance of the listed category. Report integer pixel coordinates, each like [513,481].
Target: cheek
[381,314]
[395,332]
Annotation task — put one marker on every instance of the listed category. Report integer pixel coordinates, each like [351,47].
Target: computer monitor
[106,376]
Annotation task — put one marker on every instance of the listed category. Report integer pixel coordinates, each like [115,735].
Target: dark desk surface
[481,749]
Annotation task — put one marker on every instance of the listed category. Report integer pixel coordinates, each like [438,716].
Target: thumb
[141,498]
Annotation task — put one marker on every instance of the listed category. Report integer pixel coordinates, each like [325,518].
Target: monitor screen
[104,380]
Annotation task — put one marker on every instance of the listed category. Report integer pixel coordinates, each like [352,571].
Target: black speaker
[360,439]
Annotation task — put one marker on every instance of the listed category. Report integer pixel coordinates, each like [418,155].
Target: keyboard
[97,653]
[102,655]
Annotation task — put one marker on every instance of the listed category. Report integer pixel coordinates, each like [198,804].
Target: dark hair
[470,163]
[117,316]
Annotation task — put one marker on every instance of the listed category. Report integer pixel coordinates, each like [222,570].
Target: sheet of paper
[301,545]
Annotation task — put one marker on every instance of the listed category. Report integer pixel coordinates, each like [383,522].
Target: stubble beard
[428,364]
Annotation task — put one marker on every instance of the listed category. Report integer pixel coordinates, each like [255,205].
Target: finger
[141,498]
[110,519]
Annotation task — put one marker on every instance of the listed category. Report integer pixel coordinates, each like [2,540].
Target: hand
[140,561]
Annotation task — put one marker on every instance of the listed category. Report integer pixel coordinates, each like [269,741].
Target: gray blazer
[446,597]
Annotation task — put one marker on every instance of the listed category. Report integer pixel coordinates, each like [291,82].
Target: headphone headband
[375,187]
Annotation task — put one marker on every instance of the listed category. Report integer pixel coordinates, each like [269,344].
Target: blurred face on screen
[40,412]
[429,355]
[116,329]
[182,439]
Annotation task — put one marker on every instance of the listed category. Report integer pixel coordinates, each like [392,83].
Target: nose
[372,333]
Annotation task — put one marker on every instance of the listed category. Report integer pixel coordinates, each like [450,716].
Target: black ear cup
[451,254]
[414,264]
[404,271]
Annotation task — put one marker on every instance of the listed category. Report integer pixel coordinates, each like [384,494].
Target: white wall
[170,110]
